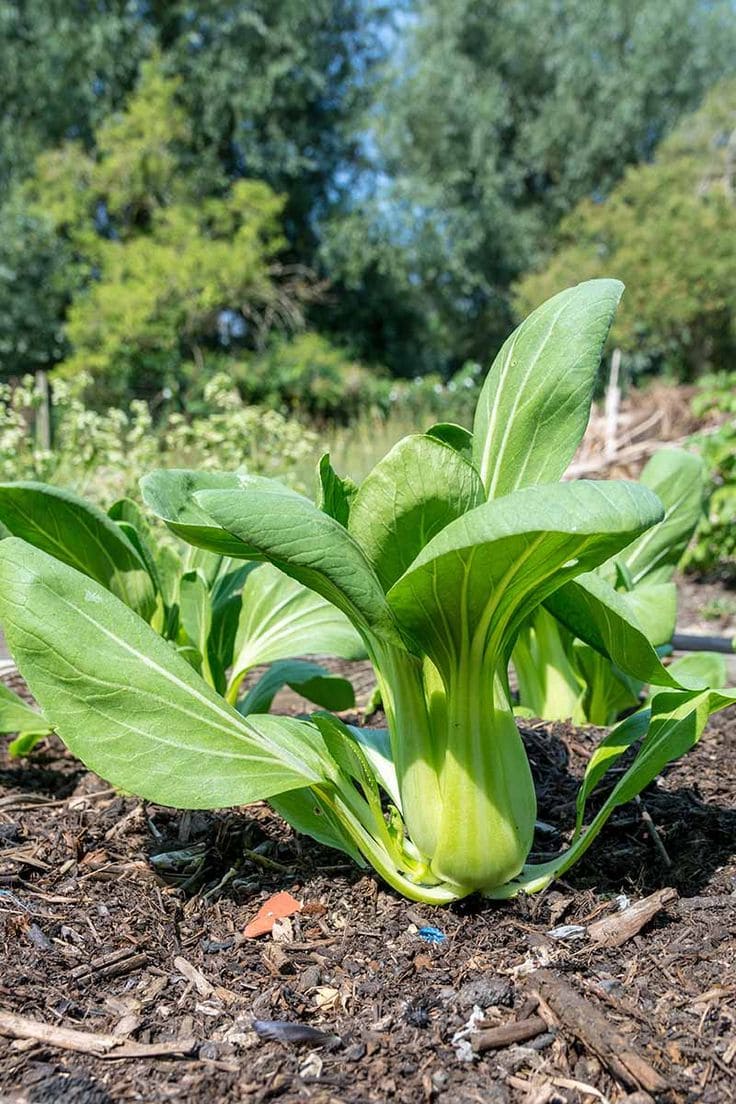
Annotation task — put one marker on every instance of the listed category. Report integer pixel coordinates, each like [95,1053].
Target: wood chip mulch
[125,974]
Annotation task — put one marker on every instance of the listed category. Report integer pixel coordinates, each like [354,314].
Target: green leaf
[483,574]
[654,605]
[549,683]
[279,619]
[169,493]
[77,533]
[208,564]
[125,509]
[305,812]
[24,744]
[608,691]
[135,525]
[168,571]
[195,615]
[308,679]
[17,716]
[336,492]
[678,479]
[608,752]
[535,402]
[307,545]
[376,745]
[593,611]
[132,709]
[677,722]
[418,488]
[456,436]
[698,669]
[674,725]
[349,756]
[226,602]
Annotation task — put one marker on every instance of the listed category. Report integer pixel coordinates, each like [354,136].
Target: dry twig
[89,1042]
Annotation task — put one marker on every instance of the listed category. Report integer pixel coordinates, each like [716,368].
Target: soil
[107,903]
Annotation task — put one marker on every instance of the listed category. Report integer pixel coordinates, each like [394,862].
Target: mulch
[125,974]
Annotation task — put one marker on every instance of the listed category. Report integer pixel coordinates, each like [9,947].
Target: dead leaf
[325,997]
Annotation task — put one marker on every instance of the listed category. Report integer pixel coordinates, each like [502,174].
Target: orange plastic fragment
[275,908]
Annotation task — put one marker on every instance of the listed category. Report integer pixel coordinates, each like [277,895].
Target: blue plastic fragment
[432,935]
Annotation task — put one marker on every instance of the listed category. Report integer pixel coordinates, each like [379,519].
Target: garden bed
[102,935]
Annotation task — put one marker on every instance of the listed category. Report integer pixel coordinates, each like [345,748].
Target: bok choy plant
[437,560]
[560,676]
[223,617]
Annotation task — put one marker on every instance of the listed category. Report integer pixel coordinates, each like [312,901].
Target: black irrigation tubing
[690,642]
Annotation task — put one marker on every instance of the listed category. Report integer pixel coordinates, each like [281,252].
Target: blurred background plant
[714,549]
[104,453]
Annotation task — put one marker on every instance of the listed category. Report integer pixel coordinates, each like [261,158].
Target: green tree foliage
[669,231]
[714,549]
[418,200]
[65,65]
[276,91]
[502,116]
[36,279]
[272,91]
[162,261]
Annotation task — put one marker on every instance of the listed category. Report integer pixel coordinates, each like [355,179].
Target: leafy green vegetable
[78,534]
[571,665]
[437,561]
[218,614]
[535,403]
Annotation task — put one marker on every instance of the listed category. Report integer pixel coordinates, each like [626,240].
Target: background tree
[501,116]
[36,284]
[668,230]
[164,267]
[418,199]
[65,65]
[266,91]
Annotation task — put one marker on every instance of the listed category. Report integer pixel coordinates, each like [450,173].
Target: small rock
[610,985]
[486,991]
[568,931]
[588,1069]
[354,1052]
[514,1058]
[210,1051]
[309,978]
[212,946]
[542,1041]
[38,939]
[439,1079]
[312,1067]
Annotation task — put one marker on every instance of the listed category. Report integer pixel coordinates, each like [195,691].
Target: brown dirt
[92,918]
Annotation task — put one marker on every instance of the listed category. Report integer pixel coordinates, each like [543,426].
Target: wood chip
[619,927]
[690,904]
[204,987]
[584,1020]
[89,1042]
[122,961]
[506,1034]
